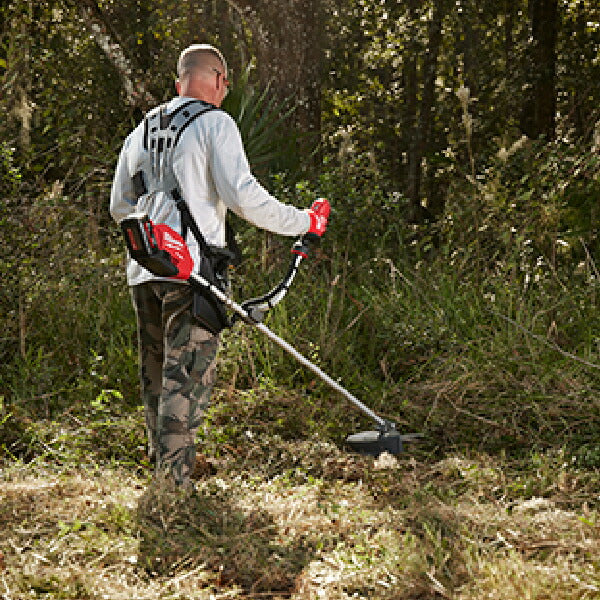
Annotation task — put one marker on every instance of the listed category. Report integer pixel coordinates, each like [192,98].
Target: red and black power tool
[157,248]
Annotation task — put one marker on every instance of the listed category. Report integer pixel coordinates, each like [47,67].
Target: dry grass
[303,520]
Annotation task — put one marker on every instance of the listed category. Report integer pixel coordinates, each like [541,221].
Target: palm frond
[261,119]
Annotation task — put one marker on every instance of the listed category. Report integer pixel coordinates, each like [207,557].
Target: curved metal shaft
[200,281]
[320,373]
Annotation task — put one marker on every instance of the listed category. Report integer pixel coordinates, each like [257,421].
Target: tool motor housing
[143,246]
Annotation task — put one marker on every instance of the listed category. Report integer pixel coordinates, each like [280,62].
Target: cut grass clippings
[304,520]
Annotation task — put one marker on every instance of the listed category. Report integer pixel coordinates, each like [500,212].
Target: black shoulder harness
[172,125]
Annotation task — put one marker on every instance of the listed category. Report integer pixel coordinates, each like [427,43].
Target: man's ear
[178,86]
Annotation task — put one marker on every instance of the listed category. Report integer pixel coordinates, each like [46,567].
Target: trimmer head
[375,442]
[378,441]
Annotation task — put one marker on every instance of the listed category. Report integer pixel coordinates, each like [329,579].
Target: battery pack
[143,246]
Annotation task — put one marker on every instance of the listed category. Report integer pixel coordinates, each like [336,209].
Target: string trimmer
[162,251]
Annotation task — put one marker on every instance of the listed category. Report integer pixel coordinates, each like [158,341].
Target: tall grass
[484,339]
[479,331]
[68,326]
[476,331]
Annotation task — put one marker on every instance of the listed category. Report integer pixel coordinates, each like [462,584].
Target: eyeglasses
[226,81]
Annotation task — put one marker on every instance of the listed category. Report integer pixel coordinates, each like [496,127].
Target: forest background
[455,292]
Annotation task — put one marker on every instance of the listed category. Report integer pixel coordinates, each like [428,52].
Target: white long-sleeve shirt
[213,174]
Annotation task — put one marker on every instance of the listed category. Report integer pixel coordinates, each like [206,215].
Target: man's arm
[122,197]
[241,192]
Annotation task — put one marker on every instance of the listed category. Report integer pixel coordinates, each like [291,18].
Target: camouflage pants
[177,373]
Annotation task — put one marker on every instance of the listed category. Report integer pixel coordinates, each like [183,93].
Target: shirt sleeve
[122,196]
[239,189]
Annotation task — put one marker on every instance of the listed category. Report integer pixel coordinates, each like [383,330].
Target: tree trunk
[470,47]
[426,113]
[109,40]
[413,184]
[539,108]
[583,43]
[509,43]
[420,113]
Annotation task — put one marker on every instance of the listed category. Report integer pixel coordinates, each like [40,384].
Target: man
[204,163]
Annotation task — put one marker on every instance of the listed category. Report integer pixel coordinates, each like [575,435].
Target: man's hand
[319,215]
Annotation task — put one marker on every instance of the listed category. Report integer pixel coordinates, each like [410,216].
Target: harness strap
[165,120]
[188,222]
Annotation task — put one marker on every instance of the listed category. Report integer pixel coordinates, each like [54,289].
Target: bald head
[202,74]
[199,57]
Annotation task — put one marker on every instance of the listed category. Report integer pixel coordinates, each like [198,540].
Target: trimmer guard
[374,443]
